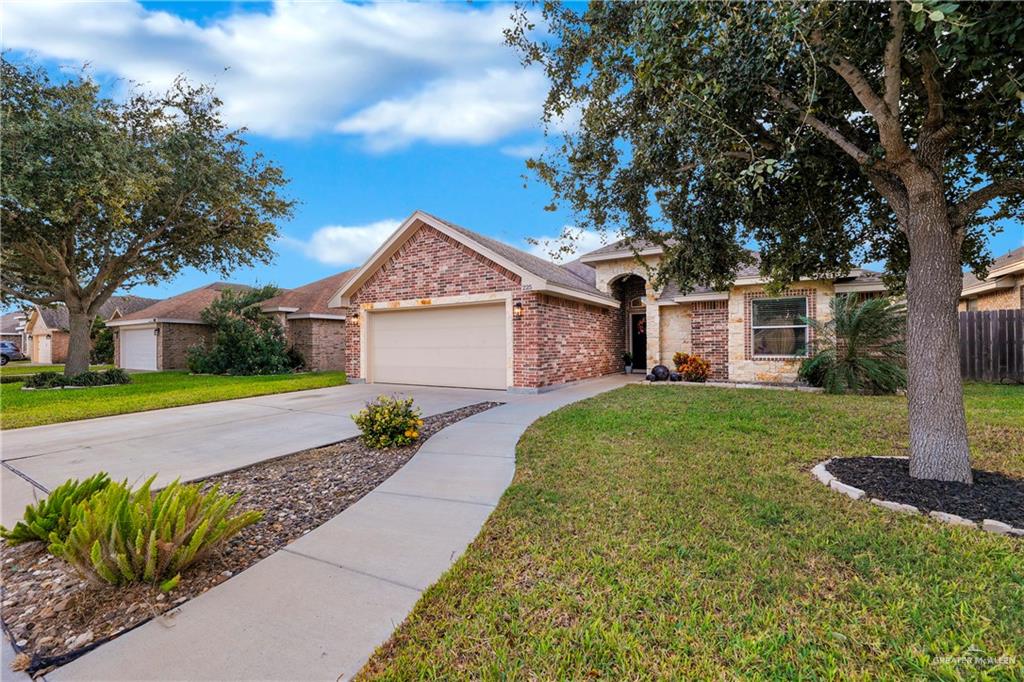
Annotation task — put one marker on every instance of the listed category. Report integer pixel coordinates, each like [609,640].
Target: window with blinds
[778,327]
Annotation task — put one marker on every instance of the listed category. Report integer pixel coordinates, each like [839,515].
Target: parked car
[9,351]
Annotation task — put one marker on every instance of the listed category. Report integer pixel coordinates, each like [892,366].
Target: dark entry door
[638,334]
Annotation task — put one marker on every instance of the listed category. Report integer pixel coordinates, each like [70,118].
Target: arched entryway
[630,290]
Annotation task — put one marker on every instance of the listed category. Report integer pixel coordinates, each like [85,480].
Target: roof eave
[619,255]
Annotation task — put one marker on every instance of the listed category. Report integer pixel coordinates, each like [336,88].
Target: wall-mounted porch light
[353,320]
[517,309]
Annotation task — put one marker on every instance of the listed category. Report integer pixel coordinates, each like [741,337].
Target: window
[777,326]
[972,304]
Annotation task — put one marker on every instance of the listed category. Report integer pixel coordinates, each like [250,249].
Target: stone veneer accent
[710,336]
[676,332]
[553,341]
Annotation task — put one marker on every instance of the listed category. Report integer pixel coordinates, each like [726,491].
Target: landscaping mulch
[993,495]
[54,616]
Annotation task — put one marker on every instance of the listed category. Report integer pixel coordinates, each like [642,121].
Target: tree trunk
[938,429]
[79,342]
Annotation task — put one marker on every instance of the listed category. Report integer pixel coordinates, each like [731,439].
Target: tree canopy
[101,194]
[706,124]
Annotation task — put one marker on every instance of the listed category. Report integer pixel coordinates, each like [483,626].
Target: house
[158,336]
[1003,289]
[47,333]
[438,304]
[12,328]
[312,328]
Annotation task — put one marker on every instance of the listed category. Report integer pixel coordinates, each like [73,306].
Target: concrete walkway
[193,441]
[318,608]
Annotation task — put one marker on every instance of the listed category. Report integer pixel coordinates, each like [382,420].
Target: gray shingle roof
[1017,255]
[56,316]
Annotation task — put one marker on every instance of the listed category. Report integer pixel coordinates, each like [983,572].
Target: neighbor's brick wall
[710,335]
[556,340]
[1003,299]
[429,265]
[174,341]
[321,342]
[59,343]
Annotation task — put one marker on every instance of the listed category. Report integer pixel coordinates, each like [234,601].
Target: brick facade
[321,342]
[709,333]
[174,340]
[1001,299]
[553,340]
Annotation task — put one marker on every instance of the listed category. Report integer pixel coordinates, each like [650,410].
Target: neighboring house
[313,329]
[1003,289]
[158,336]
[47,333]
[438,304]
[12,328]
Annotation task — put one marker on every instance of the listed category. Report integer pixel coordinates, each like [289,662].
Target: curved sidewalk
[318,608]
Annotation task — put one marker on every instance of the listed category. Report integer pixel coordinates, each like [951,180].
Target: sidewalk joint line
[351,570]
[26,477]
[431,497]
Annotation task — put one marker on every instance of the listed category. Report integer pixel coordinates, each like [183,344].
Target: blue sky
[373,111]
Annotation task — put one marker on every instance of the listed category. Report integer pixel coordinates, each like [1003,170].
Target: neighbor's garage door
[138,349]
[457,346]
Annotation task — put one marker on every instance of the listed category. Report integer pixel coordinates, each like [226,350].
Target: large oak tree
[101,195]
[825,131]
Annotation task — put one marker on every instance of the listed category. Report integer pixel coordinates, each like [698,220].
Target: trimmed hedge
[57,380]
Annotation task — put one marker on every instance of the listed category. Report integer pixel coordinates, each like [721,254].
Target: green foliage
[89,378]
[102,337]
[13,378]
[388,422]
[123,536]
[245,340]
[50,519]
[142,187]
[706,125]
[692,367]
[861,349]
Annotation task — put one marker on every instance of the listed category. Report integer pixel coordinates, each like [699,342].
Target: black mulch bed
[53,615]
[993,496]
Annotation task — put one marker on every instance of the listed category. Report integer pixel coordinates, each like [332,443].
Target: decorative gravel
[993,495]
[53,616]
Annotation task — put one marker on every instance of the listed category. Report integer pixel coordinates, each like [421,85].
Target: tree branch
[980,198]
[893,58]
[38,300]
[936,115]
[820,126]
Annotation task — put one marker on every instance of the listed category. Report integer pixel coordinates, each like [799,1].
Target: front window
[778,327]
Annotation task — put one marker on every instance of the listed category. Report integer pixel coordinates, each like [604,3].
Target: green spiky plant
[122,536]
[862,349]
[50,519]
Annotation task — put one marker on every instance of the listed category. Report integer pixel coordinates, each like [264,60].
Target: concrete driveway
[197,440]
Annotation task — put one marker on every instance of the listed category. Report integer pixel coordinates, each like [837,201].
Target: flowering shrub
[387,422]
[692,367]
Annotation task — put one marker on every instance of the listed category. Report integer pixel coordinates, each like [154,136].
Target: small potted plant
[627,360]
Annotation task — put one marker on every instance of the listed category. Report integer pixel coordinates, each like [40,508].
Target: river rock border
[821,472]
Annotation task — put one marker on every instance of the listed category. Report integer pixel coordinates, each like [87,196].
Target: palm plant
[861,349]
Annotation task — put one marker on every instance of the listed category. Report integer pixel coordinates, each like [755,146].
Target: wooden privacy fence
[992,345]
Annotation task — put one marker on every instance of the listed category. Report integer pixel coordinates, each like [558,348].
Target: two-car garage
[440,346]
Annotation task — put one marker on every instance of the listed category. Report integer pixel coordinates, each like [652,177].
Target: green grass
[148,391]
[676,533]
[19,368]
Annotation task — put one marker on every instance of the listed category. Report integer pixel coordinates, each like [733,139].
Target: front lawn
[148,391]
[676,533]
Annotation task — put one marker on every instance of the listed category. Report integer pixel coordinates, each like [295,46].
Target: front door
[638,340]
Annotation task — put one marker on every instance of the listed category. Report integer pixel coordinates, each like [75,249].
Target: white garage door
[138,348]
[457,346]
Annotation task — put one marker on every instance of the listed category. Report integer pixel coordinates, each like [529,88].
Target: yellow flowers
[389,422]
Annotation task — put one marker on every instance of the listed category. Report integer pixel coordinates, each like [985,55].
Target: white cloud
[524,151]
[392,72]
[583,241]
[344,244]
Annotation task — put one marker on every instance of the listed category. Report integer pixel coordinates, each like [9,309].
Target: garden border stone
[821,472]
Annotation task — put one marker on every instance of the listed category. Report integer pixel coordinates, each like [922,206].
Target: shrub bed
[109,377]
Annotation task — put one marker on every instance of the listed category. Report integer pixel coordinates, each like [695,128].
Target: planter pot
[629,369]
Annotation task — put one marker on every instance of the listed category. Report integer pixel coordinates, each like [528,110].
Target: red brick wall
[554,340]
[174,341]
[59,344]
[321,342]
[710,336]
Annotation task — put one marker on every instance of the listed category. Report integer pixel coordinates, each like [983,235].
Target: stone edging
[991,525]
